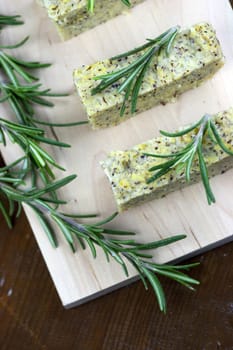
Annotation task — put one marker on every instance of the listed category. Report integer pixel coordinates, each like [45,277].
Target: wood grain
[79,276]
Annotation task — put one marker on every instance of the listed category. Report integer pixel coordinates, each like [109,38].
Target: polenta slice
[128,171]
[72,17]
[194,57]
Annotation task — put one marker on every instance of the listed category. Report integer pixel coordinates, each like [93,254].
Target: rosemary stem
[202,129]
[50,212]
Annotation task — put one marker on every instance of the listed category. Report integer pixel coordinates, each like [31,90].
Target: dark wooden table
[32,318]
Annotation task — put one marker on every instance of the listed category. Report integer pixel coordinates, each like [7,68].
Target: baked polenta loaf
[128,171]
[194,57]
[71,17]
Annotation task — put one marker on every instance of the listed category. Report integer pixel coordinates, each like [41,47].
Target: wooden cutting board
[78,277]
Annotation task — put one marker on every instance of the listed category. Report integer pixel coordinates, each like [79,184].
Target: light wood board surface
[78,277]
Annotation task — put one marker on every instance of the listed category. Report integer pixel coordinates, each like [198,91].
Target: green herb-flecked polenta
[195,56]
[128,171]
[71,17]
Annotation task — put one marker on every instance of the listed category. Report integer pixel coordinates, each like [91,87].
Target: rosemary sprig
[193,152]
[91,4]
[15,68]
[131,76]
[95,234]
[10,20]
[30,94]
[23,97]
[29,140]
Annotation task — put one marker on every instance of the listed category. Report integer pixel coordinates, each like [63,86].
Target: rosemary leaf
[193,152]
[131,76]
[157,287]
[29,139]
[91,4]
[15,46]
[10,20]
[5,215]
